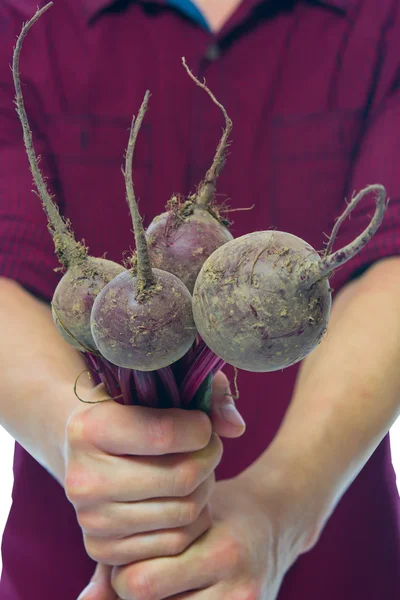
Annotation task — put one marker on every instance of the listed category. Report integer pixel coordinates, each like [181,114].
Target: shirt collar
[93,7]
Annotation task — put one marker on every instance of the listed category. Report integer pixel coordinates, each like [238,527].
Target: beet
[146,334]
[181,239]
[262,302]
[181,246]
[143,318]
[85,276]
[74,296]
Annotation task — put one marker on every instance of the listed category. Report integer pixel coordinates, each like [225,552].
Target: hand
[243,556]
[140,479]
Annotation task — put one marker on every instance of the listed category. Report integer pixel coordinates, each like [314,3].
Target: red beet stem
[146,388]
[168,380]
[103,371]
[126,382]
[207,362]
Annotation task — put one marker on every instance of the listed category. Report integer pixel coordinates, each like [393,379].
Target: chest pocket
[311,160]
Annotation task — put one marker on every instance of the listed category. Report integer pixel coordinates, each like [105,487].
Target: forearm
[346,398]
[38,374]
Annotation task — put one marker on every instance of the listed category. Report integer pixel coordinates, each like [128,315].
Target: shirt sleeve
[26,248]
[378,161]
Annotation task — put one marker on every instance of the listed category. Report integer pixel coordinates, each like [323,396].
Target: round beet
[146,334]
[262,302]
[248,306]
[181,246]
[74,296]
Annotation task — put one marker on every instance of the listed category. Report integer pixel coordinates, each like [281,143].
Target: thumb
[99,587]
[226,419]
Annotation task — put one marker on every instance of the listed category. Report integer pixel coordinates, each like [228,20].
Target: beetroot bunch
[260,302]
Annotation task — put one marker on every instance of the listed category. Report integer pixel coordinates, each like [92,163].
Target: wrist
[59,401]
[286,487]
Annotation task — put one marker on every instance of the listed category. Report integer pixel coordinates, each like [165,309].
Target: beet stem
[206,192]
[206,362]
[125,378]
[146,388]
[145,274]
[68,250]
[329,263]
[168,380]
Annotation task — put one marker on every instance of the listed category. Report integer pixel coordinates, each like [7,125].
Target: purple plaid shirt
[313,89]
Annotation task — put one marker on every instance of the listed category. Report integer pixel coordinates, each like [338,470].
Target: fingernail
[85,595]
[230,413]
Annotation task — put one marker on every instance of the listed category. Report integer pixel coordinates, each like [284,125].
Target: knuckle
[189,512]
[206,516]
[99,551]
[75,429]
[89,425]
[161,432]
[187,479]
[141,584]
[204,429]
[94,524]
[178,542]
[234,554]
[210,484]
[79,485]
[218,447]
[73,483]
[230,553]
[248,591]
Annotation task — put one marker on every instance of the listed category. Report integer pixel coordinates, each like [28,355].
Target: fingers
[123,519]
[161,578]
[99,587]
[218,558]
[111,526]
[167,542]
[91,481]
[221,591]
[136,430]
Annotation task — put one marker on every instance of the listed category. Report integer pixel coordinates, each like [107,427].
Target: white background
[6,455]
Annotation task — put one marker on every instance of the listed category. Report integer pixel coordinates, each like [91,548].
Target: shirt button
[213,52]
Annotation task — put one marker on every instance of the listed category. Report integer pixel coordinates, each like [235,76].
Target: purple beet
[143,318]
[181,239]
[74,297]
[85,276]
[262,302]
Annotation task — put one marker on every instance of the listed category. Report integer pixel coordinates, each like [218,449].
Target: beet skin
[180,245]
[74,296]
[251,307]
[148,333]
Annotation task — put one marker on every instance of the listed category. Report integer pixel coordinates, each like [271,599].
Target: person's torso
[285,72]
